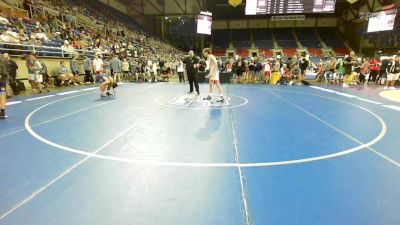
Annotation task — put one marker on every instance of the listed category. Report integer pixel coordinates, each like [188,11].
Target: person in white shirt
[213,74]
[4,21]
[154,72]
[41,35]
[4,37]
[66,48]
[97,65]
[180,70]
[13,36]
[125,68]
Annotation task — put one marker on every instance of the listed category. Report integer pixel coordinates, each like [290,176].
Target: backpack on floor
[282,80]
[14,86]
[20,85]
[305,82]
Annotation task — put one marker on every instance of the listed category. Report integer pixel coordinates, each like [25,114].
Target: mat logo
[199,101]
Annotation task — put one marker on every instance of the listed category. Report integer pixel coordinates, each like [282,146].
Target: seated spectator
[34,38]
[41,35]
[14,37]
[67,48]
[4,21]
[65,77]
[20,24]
[22,36]
[4,37]
[295,73]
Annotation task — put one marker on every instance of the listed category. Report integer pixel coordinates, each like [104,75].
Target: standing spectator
[174,67]
[393,72]
[252,67]
[30,62]
[107,67]
[374,66]
[3,86]
[133,67]
[12,73]
[257,70]
[357,69]
[116,68]
[303,63]
[364,70]
[97,65]
[125,68]
[39,76]
[88,67]
[154,72]
[267,70]
[348,68]
[240,68]
[75,68]
[180,71]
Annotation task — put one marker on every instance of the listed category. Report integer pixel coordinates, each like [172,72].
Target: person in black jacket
[192,64]
[3,86]
[12,73]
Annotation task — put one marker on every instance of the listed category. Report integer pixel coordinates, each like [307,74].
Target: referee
[192,63]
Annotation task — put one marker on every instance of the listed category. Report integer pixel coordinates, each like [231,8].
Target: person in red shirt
[374,69]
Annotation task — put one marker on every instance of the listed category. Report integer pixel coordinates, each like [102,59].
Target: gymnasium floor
[269,155]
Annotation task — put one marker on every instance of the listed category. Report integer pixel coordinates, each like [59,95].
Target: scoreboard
[262,7]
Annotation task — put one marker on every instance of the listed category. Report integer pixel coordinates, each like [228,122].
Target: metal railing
[42,50]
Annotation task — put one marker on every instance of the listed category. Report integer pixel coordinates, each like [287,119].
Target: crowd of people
[344,71]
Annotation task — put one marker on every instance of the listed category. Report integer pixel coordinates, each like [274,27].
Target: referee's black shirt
[190,62]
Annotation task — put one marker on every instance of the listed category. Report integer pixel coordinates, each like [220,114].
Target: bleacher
[263,39]
[241,38]
[221,39]
[331,39]
[308,38]
[284,38]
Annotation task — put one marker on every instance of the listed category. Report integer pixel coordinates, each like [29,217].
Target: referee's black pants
[193,79]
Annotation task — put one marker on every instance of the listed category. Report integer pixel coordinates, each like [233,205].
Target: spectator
[257,70]
[125,69]
[37,69]
[13,37]
[180,71]
[107,67]
[4,37]
[393,72]
[348,68]
[3,86]
[41,35]
[97,65]
[30,63]
[75,68]
[12,68]
[67,49]
[116,67]
[22,36]
[88,67]
[154,73]
[364,70]
[267,70]
[375,65]
[4,20]
[65,77]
